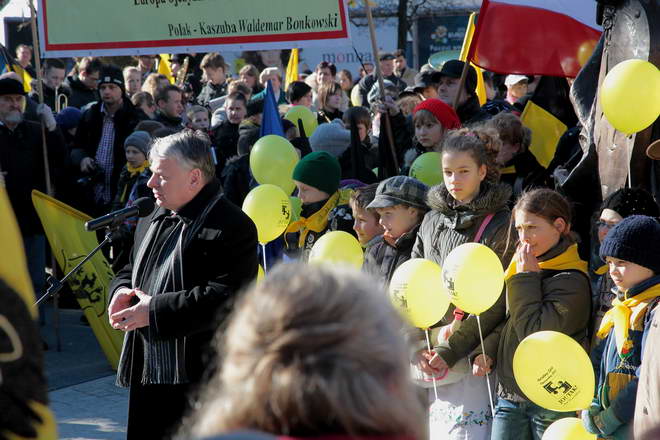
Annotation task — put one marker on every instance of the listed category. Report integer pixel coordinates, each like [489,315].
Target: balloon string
[483,351]
[428,346]
[263,252]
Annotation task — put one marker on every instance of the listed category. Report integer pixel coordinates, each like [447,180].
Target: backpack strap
[482,228]
[458,313]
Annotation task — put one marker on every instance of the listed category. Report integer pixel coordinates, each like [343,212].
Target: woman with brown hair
[307,356]
[329,96]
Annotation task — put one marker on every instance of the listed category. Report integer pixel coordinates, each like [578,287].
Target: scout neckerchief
[619,318]
[567,260]
[319,220]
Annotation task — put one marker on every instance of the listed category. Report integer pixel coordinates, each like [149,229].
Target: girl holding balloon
[547,288]
[471,205]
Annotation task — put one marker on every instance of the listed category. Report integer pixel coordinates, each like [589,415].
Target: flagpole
[466,66]
[49,185]
[381,83]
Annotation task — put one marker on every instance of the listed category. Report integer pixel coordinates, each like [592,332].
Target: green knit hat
[320,170]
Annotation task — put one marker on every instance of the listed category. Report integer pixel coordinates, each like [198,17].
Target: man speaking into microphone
[190,257]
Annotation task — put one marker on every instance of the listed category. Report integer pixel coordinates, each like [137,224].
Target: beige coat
[647,405]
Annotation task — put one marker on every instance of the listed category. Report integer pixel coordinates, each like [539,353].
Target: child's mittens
[602,423]
[606,421]
[587,420]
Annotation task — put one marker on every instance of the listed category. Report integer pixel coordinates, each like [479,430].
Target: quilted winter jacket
[449,225]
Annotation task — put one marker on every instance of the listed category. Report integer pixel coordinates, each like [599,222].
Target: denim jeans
[522,420]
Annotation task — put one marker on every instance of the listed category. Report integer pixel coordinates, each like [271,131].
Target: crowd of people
[309,351]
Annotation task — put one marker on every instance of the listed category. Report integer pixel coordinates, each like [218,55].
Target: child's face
[363,131]
[428,134]
[626,274]
[365,225]
[134,157]
[538,232]
[462,175]
[397,220]
[200,121]
[607,220]
[309,194]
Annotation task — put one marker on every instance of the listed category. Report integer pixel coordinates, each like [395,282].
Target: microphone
[142,208]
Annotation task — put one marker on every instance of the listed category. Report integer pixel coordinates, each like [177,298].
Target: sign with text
[132,27]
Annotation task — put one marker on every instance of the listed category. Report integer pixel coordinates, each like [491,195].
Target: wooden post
[461,84]
[381,84]
[49,185]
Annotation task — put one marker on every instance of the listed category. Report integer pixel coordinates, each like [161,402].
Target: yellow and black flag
[7,64]
[24,412]
[548,113]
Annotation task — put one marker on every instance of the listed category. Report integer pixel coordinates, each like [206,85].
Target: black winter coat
[217,263]
[81,95]
[22,163]
[382,259]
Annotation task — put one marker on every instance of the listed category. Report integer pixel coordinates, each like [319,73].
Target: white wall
[15,8]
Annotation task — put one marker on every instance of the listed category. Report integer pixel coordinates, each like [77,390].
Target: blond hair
[313,351]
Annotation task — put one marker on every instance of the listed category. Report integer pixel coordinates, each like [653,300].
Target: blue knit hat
[68,118]
[635,239]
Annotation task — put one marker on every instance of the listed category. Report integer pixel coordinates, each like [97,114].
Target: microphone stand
[55,285]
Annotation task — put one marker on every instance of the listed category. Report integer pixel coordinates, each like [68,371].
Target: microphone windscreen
[145,206]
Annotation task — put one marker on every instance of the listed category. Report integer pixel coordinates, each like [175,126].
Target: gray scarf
[157,270]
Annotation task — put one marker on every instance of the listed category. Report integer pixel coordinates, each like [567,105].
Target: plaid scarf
[159,269]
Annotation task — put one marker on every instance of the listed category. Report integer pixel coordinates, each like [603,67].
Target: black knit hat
[631,201]
[111,75]
[10,86]
[635,239]
[454,69]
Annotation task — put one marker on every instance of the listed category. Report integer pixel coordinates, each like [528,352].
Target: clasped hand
[125,314]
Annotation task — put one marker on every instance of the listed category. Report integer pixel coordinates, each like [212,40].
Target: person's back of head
[308,355]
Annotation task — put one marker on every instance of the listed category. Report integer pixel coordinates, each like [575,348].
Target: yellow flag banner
[547,130]
[21,355]
[164,67]
[469,32]
[292,68]
[64,227]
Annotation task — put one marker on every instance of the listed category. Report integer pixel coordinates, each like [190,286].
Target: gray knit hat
[331,137]
[140,140]
[400,190]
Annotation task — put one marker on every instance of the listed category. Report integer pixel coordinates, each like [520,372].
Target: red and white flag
[535,37]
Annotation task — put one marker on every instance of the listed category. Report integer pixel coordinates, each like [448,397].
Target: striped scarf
[159,269]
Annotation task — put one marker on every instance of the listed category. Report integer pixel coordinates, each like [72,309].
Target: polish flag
[535,37]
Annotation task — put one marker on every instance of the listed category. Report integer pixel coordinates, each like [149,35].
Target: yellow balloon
[272,161]
[570,428]
[270,210]
[416,290]
[630,95]
[303,113]
[554,371]
[337,247]
[474,277]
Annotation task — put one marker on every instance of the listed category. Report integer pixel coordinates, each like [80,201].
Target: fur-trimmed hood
[491,198]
